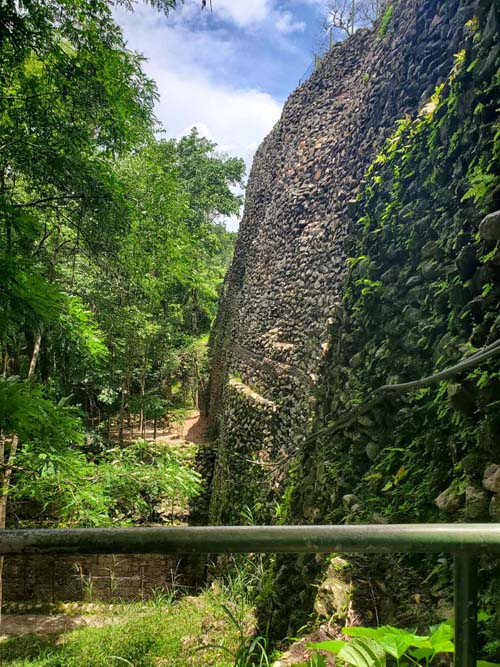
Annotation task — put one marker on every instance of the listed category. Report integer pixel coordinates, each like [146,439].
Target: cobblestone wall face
[282,292]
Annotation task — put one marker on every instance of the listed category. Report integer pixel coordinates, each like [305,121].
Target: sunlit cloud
[218,71]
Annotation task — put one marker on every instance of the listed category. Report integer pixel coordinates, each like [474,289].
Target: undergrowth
[386,645]
[209,629]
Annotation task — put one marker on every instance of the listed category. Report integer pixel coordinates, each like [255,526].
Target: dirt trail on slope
[192,429]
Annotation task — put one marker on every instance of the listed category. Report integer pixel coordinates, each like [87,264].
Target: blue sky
[227,72]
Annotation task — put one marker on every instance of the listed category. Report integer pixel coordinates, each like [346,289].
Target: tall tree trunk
[5,361]
[122,415]
[130,422]
[142,421]
[35,355]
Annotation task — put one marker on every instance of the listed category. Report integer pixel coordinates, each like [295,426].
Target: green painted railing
[465,541]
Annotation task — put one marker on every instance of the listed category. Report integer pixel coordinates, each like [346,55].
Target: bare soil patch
[47,624]
[193,429]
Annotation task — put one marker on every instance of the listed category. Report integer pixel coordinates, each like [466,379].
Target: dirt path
[46,624]
[192,429]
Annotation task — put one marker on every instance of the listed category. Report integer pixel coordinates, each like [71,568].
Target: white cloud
[190,68]
[237,119]
[285,23]
[252,13]
[245,13]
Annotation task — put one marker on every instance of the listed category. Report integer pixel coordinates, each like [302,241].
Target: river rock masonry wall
[281,297]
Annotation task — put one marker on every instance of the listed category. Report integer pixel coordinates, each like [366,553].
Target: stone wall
[422,291]
[361,260]
[250,422]
[284,286]
[103,577]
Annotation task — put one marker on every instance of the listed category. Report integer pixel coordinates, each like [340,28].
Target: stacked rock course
[368,255]
[283,287]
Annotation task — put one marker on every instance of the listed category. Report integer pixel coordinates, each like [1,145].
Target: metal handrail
[380,538]
[465,541]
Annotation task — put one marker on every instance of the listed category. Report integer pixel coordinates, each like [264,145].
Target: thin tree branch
[45,236]
[376,395]
[402,388]
[47,200]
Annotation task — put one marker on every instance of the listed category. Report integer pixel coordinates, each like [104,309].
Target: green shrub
[123,486]
[374,647]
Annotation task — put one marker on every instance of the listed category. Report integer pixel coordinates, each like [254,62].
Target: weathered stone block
[491,478]
[489,229]
[334,592]
[450,501]
[477,501]
[495,507]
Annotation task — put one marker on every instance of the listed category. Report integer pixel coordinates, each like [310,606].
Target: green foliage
[372,647]
[45,426]
[249,651]
[139,484]
[363,652]
[385,20]
[157,303]
[481,184]
[137,479]
[81,331]
[143,635]
[72,98]
[112,251]
[25,296]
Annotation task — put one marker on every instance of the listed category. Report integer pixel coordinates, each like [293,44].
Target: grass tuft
[192,631]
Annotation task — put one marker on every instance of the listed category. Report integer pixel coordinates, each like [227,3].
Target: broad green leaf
[485,663]
[415,640]
[410,637]
[441,632]
[446,646]
[483,616]
[332,645]
[390,633]
[395,645]
[421,653]
[363,652]
[441,639]
[393,640]
[355,631]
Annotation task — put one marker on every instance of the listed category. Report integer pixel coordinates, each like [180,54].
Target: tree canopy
[112,241]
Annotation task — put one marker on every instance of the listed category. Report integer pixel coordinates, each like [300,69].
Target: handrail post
[465,593]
